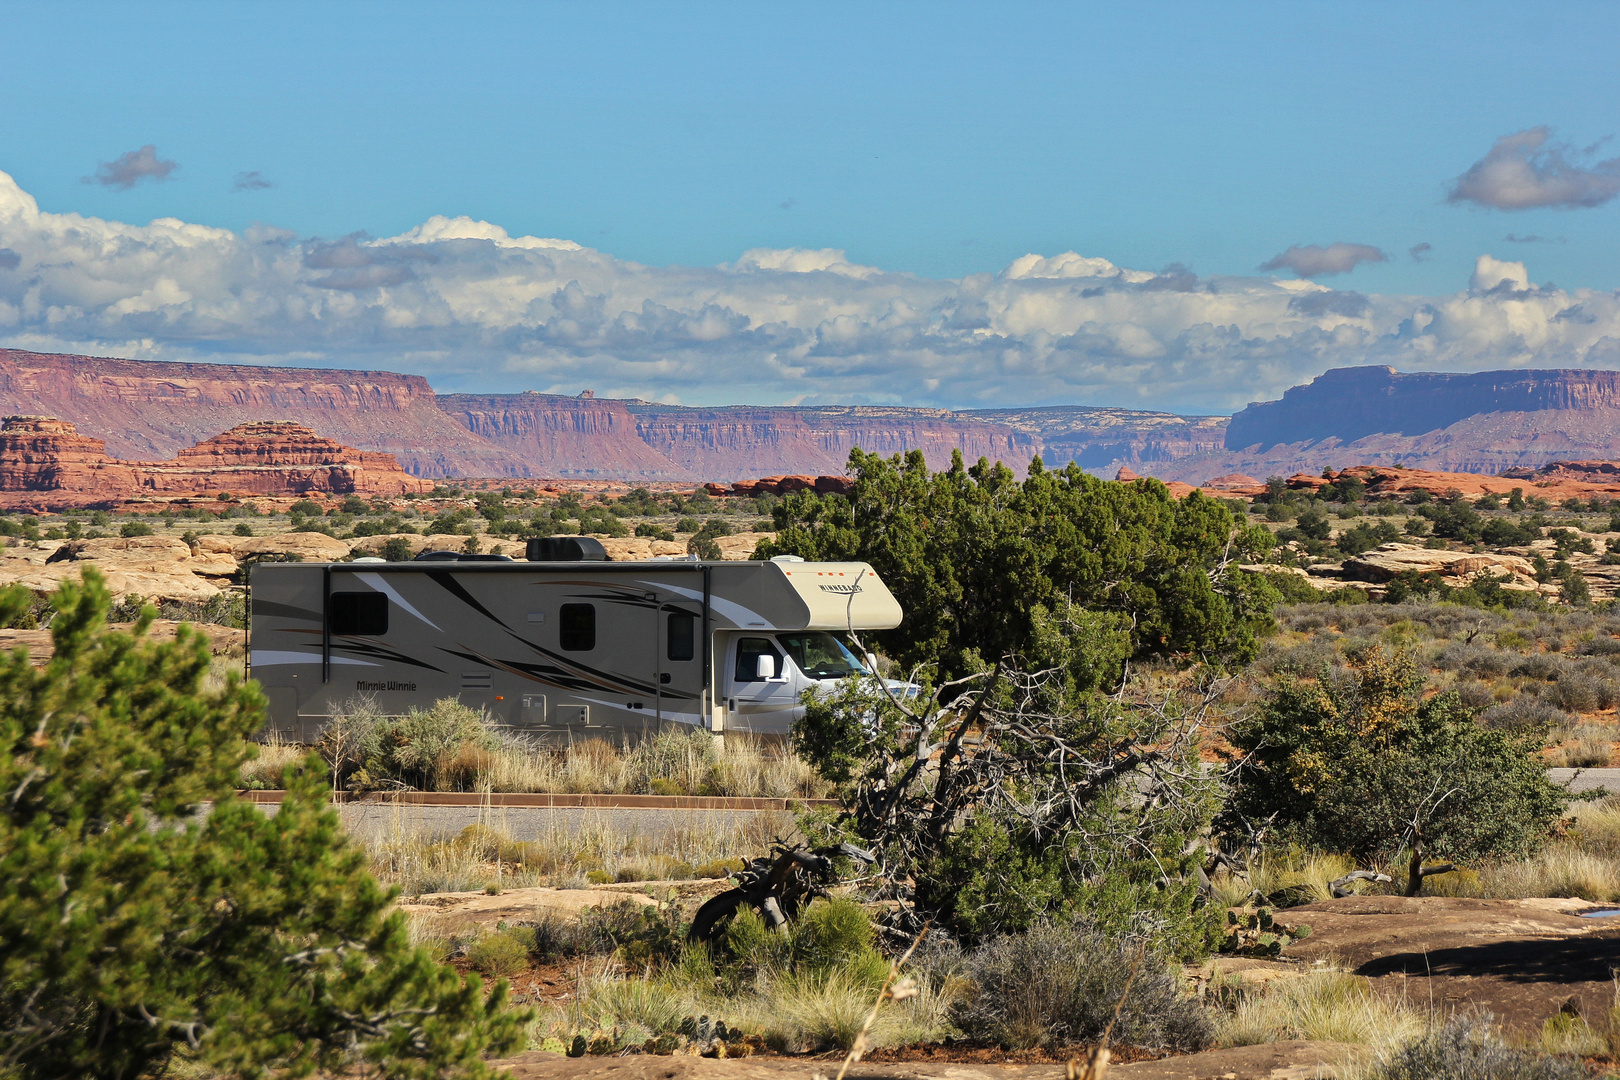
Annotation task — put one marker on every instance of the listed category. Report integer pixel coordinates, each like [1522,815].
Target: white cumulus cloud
[472,307]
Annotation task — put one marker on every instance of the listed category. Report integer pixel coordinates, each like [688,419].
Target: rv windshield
[821,656]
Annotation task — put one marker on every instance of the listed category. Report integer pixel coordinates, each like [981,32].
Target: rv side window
[359,613]
[749,650]
[576,627]
[682,636]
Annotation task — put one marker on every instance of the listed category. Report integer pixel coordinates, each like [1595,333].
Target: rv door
[756,701]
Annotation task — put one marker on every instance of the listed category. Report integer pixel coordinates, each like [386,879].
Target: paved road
[1588,779]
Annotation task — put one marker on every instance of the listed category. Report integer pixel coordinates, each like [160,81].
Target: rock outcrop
[48,457]
[1383,563]
[42,453]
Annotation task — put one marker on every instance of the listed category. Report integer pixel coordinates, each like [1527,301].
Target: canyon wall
[733,442]
[563,437]
[151,410]
[1104,440]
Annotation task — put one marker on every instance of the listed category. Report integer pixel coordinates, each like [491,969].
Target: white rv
[580,646]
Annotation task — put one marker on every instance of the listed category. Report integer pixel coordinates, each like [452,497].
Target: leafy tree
[131,932]
[972,553]
[1359,762]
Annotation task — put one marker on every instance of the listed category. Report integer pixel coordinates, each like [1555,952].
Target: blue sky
[936,140]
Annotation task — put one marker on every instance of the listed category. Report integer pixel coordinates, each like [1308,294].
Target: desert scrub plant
[1059,984]
[503,953]
[1466,1049]
[1324,1004]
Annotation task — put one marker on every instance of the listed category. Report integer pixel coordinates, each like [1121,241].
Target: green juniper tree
[971,553]
[1011,789]
[133,930]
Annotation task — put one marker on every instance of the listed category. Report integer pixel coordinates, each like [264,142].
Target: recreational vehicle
[567,643]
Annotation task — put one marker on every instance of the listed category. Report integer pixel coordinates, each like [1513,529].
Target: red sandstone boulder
[835,485]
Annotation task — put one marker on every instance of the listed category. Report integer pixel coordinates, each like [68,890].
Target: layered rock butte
[45,461]
[1480,423]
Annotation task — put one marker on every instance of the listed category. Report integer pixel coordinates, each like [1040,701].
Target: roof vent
[786,558]
[566,549]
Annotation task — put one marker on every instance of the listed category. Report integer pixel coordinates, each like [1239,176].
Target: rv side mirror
[765,666]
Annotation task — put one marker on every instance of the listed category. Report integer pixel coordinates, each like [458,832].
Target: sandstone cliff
[733,442]
[563,436]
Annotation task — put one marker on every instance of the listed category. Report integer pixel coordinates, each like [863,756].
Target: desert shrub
[642,936]
[1350,763]
[396,549]
[654,531]
[419,748]
[1525,714]
[499,955]
[1581,691]
[1601,645]
[1304,660]
[837,935]
[1540,666]
[1474,694]
[1365,537]
[680,760]
[1059,984]
[1466,1049]
[1293,588]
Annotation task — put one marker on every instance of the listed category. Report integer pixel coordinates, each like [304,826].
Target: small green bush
[499,955]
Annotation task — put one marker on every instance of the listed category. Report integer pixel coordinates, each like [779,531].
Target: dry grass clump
[593,851]
[1324,1004]
[451,747]
[272,757]
[1587,746]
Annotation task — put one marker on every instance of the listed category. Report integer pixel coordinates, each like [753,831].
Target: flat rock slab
[1521,959]
[1269,1061]
[471,908]
[222,640]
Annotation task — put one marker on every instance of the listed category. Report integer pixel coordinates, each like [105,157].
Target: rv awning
[842,596]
